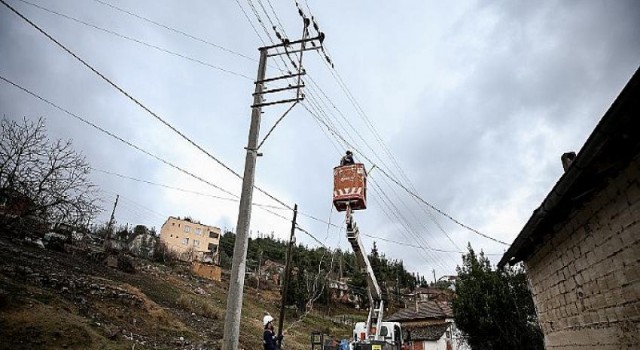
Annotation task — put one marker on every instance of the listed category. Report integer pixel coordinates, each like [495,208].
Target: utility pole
[434,277]
[113,212]
[107,238]
[236,283]
[287,273]
[239,262]
[259,269]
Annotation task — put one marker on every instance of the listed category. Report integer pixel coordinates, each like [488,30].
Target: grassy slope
[54,300]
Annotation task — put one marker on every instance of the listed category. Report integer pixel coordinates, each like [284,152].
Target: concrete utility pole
[236,284]
[239,262]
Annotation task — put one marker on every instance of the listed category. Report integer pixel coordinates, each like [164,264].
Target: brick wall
[585,279]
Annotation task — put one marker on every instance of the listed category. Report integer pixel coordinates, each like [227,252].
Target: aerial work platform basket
[350,187]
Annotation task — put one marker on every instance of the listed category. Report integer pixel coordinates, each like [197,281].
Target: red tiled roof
[426,310]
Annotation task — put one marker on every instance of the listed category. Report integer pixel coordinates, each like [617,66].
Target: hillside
[72,300]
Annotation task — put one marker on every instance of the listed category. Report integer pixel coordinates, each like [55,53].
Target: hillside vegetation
[71,300]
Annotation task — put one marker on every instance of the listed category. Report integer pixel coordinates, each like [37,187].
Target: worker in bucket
[269,338]
[347,159]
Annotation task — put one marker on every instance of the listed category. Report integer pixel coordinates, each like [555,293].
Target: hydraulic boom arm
[375,293]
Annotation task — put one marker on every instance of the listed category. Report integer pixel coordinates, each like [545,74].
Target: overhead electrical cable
[145,108]
[184,190]
[339,136]
[128,143]
[334,72]
[250,22]
[156,47]
[176,30]
[392,209]
[440,211]
[338,78]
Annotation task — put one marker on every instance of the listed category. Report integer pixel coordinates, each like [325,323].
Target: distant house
[339,290]
[429,326]
[191,240]
[581,247]
[272,271]
[438,294]
[143,244]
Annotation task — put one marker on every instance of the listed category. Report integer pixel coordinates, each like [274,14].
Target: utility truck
[350,194]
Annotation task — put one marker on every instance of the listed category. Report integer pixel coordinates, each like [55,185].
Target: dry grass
[38,326]
[198,306]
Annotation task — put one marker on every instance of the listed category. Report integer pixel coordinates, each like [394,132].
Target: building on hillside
[272,271]
[429,326]
[143,244]
[581,247]
[191,240]
[430,293]
[339,290]
[421,294]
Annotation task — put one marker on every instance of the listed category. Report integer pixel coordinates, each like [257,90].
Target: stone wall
[211,272]
[585,279]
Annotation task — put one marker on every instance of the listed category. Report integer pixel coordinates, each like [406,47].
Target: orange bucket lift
[350,187]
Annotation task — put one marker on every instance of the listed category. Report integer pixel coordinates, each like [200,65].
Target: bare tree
[42,182]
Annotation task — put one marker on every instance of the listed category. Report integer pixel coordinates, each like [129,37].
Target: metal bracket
[278,102]
[281,77]
[278,90]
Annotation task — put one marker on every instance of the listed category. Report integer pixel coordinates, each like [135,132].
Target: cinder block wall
[586,279]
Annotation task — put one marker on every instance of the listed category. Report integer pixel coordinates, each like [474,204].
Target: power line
[156,47]
[170,53]
[419,247]
[250,22]
[153,46]
[128,143]
[413,194]
[183,190]
[356,132]
[276,16]
[175,30]
[149,111]
[440,211]
[150,154]
[337,77]
[361,138]
[431,258]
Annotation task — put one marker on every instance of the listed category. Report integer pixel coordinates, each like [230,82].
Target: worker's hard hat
[349,152]
[267,319]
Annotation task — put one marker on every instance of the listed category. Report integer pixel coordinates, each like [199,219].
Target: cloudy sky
[466,104]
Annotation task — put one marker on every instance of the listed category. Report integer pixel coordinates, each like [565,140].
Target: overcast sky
[468,104]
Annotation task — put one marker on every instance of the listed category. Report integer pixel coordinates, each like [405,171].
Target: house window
[196,243]
[185,241]
[198,231]
[213,234]
[173,224]
[213,248]
[187,229]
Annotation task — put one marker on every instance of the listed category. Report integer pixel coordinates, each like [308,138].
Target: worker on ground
[269,338]
[347,159]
